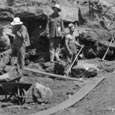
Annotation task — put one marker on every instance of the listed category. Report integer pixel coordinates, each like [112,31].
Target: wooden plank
[5,53]
[53,75]
[91,84]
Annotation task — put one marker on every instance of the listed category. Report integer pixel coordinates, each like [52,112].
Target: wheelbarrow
[17,90]
[10,86]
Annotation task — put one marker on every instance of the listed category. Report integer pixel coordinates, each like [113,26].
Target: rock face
[34,15]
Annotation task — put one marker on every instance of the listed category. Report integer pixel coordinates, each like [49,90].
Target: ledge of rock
[96,37]
[84,69]
[6,13]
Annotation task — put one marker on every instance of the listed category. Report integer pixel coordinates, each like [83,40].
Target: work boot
[13,61]
[57,57]
[20,71]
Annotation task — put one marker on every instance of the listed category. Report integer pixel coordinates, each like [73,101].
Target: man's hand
[19,34]
[70,53]
[48,36]
[82,45]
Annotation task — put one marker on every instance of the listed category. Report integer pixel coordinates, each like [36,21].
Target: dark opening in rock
[35,27]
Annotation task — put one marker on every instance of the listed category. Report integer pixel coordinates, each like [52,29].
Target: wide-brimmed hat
[16,21]
[56,6]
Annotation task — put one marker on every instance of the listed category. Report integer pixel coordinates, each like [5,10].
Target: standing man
[71,44]
[54,30]
[21,40]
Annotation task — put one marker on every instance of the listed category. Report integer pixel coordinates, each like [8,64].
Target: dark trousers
[54,48]
[70,59]
[20,53]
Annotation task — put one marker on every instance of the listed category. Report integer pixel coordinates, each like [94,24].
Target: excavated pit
[39,50]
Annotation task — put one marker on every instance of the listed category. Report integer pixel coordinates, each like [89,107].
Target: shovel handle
[69,69]
[108,48]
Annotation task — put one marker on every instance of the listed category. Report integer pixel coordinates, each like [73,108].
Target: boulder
[59,67]
[35,66]
[41,93]
[49,67]
[56,67]
[84,69]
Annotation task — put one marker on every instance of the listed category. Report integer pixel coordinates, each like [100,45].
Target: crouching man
[72,45]
[21,40]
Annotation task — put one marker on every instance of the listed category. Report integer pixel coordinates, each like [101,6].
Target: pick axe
[108,48]
[69,69]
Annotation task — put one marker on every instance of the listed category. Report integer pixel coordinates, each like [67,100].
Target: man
[71,44]
[21,40]
[54,30]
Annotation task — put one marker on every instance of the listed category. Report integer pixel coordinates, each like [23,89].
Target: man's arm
[8,32]
[47,26]
[77,44]
[66,43]
[25,36]
[62,25]
[24,32]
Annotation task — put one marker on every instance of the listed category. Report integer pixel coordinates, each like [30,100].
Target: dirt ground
[60,89]
[100,101]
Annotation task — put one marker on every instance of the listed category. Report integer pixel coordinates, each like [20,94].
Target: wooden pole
[69,69]
[7,52]
[107,49]
[53,75]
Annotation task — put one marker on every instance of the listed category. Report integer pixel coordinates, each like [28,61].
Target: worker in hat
[71,44]
[54,30]
[21,40]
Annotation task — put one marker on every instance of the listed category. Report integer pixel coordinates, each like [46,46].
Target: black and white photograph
[57,57]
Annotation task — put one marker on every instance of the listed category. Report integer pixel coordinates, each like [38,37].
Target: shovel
[107,49]
[69,69]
